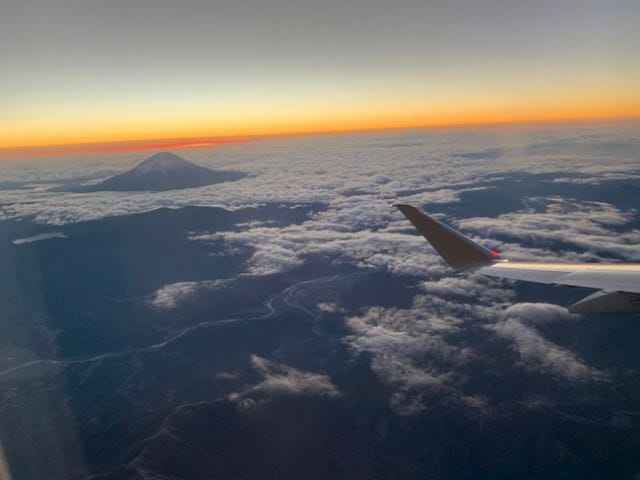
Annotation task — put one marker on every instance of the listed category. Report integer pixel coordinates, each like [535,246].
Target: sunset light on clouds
[96,72]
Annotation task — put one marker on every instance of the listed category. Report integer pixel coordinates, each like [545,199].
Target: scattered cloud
[352,180]
[368,237]
[172,295]
[587,225]
[429,346]
[418,349]
[539,314]
[517,325]
[39,237]
[280,379]
[330,307]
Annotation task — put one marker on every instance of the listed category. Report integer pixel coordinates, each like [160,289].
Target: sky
[80,71]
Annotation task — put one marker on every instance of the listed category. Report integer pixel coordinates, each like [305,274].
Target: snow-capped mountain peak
[162,162]
[163,171]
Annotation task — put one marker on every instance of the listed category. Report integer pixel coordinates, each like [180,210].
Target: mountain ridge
[160,172]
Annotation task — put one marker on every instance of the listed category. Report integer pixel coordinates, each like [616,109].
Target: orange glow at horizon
[79,76]
[114,127]
[339,104]
[46,145]
[119,146]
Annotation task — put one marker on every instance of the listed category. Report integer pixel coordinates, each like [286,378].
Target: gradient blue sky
[88,70]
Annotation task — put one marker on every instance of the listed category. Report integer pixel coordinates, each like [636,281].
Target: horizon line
[112,146]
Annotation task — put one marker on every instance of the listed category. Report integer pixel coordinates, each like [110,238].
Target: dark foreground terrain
[250,376]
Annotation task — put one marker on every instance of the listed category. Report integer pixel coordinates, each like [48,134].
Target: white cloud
[172,295]
[424,348]
[586,225]
[537,353]
[39,237]
[280,379]
[330,307]
[416,349]
[541,355]
[362,240]
[539,314]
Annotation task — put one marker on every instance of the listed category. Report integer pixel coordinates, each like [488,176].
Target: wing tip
[459,251]
[401,206]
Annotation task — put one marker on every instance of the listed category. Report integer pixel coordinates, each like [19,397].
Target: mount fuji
[162,171]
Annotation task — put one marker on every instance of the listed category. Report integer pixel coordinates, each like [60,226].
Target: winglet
[460,252]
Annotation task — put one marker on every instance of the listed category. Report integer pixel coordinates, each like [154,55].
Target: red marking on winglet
[495,254]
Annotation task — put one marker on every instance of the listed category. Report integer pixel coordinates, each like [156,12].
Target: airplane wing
[618,285]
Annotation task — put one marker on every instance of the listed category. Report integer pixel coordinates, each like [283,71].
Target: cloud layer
[431,346]
[432,343]
[418,167]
